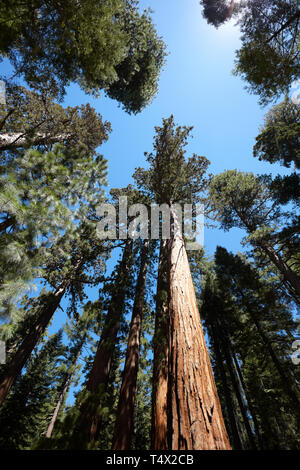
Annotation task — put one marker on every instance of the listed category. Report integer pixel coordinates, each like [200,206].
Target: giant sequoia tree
[192,417]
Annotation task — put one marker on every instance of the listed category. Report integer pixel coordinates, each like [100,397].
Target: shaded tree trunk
[195,420]
[249,400]
[88,424]
[224,341]
[237,442]
[160,357]
[125,413]
[59,405]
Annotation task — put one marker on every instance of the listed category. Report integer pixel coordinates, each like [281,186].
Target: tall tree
[194,418]
[90,401]
[245,201]
[123,431]
[65,271]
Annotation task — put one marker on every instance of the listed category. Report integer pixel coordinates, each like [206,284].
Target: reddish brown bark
[160,358]
[194,417]
[89,421]
[125,413]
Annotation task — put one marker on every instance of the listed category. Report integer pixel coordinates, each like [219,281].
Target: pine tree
[245,201]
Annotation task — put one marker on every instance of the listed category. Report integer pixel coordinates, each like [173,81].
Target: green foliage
[43,122]
[254,318]
[278,140]
[268,59]
[27,410]
[99,45]
[172,179]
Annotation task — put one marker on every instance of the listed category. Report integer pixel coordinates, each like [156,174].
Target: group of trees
[144,370]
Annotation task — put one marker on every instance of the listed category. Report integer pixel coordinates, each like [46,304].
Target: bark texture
[195,420]
[89,422]
[125,413]
[161,356]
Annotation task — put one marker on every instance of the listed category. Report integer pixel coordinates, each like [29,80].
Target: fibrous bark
[125,413]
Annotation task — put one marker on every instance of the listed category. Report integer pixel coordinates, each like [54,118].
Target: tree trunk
[249,400]
[30,341]
[160,357]
[224,341]
[237,442]
[19,139]
[195,420]
[125,413]
[59,405]
[89,420]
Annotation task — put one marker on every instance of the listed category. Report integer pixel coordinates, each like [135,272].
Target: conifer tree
[64,272]
[245,201]
[26,412]
[105,45]
[123,431]
[171,179]
[90,401]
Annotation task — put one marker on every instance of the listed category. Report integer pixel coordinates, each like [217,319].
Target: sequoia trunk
[125,413]
[89,421]
[194,416]
[160,359]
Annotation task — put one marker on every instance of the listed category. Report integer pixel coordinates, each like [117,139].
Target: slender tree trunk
[289,276]
[223,339]
[287,273]
[125,413]
[89,422]
[160,357]
[20,358]
[237,442]
[59,405]
[249,400]
[195,420]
